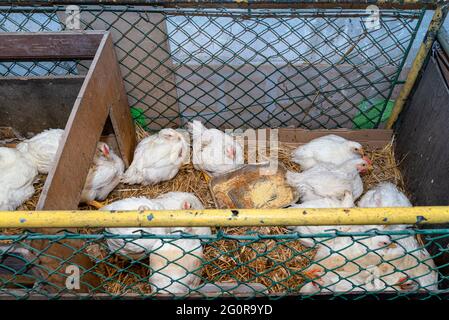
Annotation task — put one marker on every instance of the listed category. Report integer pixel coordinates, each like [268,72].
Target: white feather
[104,175]
[331,149]
[328,181]
[42,148]
[385,194]
[211,150]
[157,158]
[136,248]
[17,175]
[176,266]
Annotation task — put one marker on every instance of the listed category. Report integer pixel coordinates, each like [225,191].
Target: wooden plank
[31,105]
[99,93]
[371,137]
[120,114]
[422,147]
[16,46]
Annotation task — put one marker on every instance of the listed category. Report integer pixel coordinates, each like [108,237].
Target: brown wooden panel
[16,46]
[371,137]
[99,92]
[120,114]
[31,105]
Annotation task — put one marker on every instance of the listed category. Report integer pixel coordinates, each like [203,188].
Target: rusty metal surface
[406,4]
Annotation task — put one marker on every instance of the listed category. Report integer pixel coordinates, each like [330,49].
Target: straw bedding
[277,264]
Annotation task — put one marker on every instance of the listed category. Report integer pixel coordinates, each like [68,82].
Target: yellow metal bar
[215,217]
[435,24]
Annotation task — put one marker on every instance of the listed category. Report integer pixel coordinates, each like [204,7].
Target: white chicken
[214,151]
[104,175]
[386,277]
[157,158]
[385,194]
[330,181]
[41,149]
[17,175]
[351,278]
[327,282]
[136,248]
[183,200]
[176,266]
[175,263]
[347,202]
[415,261]
[331,149]
[363,251]
[342,263]
[176,200]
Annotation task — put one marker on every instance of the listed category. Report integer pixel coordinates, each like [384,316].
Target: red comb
[105,149]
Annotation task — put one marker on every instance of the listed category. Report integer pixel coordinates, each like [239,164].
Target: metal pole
[421,56]
[403,4]
[226,217]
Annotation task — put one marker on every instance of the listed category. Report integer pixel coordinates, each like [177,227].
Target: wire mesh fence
[239,68]
[337,261]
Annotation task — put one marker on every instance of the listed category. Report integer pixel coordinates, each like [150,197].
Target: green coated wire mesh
[236,68]
[335,261]
[240,68]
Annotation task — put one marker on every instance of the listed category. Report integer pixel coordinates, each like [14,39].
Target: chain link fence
[233,68]
[240,68]
[181,264]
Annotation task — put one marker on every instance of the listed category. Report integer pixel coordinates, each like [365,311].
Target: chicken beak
[361,151]
[312,274]
[392,245]
[404,284]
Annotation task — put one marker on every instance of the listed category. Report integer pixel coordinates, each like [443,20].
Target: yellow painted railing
[216,217]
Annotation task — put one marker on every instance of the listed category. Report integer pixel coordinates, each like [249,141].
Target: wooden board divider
[102,95]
